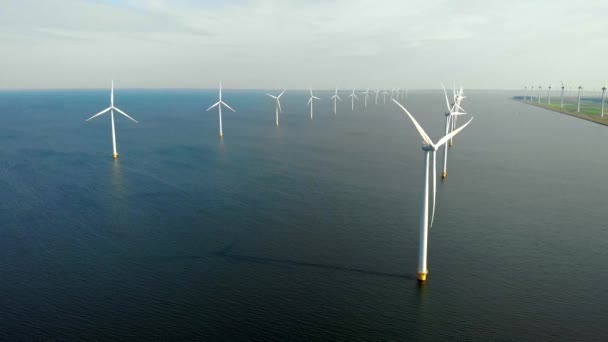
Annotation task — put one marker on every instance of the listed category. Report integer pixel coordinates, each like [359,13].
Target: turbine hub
[427,147]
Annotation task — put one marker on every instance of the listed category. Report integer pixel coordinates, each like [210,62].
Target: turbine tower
[603,93]
[310,101]
[539,90]
[429,149]
[219,105]
[578,107]
[562,96]
[525,92]
[111,109]
[336,98]
[277,100]
[352,100]
[549,95]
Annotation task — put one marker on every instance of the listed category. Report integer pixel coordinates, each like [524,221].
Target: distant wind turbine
[111,109]
[336,98]
[539,90]
[603,93]
[377,92]
[429,148]
[385,92]
[578,107]
[549,95]
[277,101]
[525,92]
[450,118]
[562,96]
[219,105]
[352,100]
[366,95]
[310,101]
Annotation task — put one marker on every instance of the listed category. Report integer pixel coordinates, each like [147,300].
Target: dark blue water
[305,232]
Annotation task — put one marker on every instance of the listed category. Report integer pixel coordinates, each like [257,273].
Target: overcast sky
[300,43]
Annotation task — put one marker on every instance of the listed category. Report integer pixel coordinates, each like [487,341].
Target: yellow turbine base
[422,276]
[444,175]
[115,156]
[451,144]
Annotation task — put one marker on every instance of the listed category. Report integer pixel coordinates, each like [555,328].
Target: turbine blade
[274,97]
[309,89]
[216,104]
[125,114]
[423,134]
[309,101]
[227,106]
[98,114]
[279,104]
[339,99]
[316,98]
[451,134]
[283,92]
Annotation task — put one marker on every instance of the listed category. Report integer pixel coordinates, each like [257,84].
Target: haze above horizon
[263,44]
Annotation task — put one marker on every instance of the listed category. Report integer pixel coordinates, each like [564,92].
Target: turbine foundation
[444,175]
[115,156]
[451,144]
[422,276]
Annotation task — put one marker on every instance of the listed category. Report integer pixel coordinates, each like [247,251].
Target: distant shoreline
[587,117]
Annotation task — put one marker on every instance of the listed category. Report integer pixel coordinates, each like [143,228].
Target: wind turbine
[352,100]
[336,98]
[525,92]
[450,118]
[458,97]
[539,89]
[603,93]
[219,105]
[578,108]
[562,96]
[429,148]
[111,109]
[377,92]
[366,94]
[312,97]
[549,95]
[385,92]
[277,100]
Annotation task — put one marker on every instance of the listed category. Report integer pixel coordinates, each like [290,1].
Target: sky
[296,44]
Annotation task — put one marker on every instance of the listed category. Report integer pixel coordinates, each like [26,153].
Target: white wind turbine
[454,110]
[539,90]
[366,95]
[310,101]
[377,92]
[111,109]
[219,105]
[428,147]
[277,100]
[549,95]
[385,92]
[352,100]
[603,93]
[562,96]
[458,97]
[525,92]
[336,98]
[578,107]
